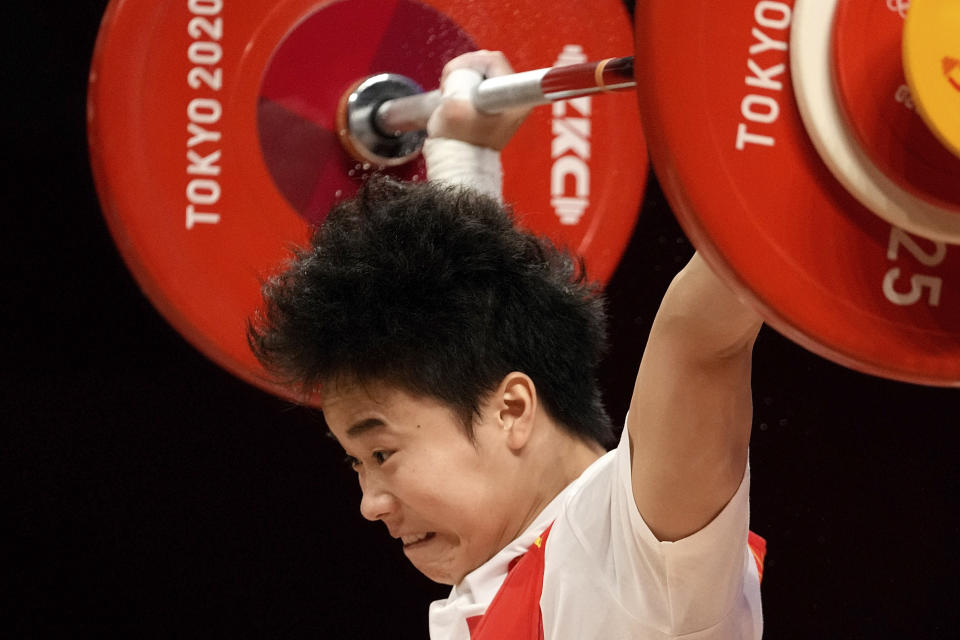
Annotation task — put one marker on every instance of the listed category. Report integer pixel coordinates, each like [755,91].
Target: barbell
[221,130]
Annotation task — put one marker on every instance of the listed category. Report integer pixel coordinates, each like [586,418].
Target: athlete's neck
[556,458]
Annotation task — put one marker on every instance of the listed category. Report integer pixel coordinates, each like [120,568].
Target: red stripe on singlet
[515,613]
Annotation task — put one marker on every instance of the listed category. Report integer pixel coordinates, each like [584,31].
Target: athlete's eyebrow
[364,426]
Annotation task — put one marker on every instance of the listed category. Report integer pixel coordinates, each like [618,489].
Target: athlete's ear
[516,405]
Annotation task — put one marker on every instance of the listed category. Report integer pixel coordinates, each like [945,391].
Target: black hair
[433,289]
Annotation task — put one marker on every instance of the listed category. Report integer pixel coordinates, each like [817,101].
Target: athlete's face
[447,499]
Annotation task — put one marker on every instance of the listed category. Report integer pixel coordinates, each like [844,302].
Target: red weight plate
[212,143]
[730,149]
[874,96]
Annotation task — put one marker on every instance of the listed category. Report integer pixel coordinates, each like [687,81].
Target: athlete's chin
[443,570]
[439,576]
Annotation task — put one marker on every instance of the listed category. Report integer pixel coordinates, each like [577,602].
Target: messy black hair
[434,290]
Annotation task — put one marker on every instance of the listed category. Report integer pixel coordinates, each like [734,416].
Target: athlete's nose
[377,502]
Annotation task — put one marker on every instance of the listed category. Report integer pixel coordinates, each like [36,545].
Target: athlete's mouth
[416,538]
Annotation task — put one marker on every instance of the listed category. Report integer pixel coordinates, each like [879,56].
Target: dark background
[151,494]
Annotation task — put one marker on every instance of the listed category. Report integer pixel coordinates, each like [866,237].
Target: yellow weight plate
[931,62]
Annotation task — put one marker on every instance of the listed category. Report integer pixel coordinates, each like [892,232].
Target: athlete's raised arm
[691,410]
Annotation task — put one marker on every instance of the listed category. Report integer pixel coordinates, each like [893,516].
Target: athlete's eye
[380,456]
[352,462]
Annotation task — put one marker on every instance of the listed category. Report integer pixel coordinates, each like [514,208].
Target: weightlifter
[456,357]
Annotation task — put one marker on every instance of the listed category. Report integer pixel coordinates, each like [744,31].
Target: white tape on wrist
[461,84]
[462,163]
